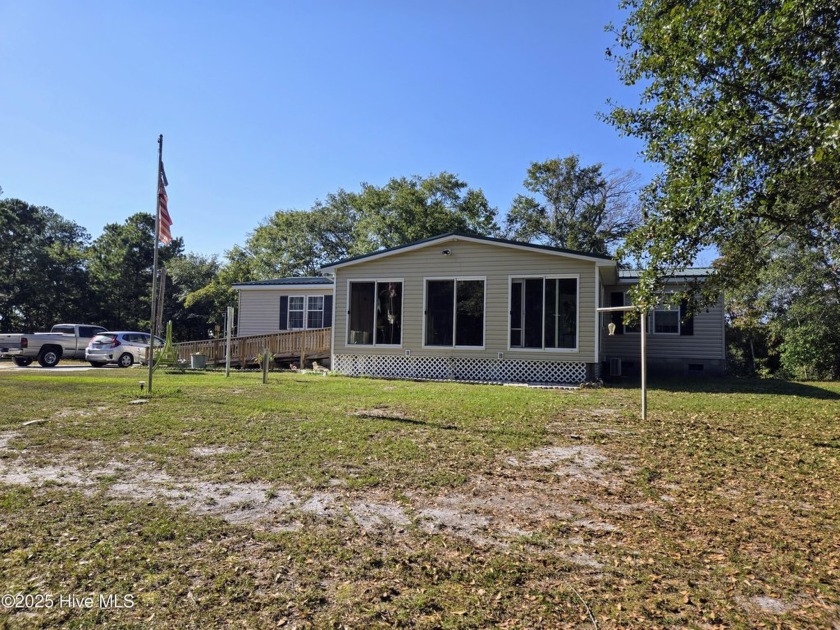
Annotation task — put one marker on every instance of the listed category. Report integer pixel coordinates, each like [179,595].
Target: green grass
[728,492]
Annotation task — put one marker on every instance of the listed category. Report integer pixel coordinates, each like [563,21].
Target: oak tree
[739,105]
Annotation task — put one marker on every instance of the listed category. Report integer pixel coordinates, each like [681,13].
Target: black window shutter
[328,311]
[284,312]
[617,318]
[686,323]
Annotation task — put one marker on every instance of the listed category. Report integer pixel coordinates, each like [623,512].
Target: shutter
[284,312]
[686,323]
[328,311]
[617,299]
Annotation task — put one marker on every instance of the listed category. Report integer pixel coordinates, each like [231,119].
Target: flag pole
[150,352]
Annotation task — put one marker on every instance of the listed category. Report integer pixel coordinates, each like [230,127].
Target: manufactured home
[462,307]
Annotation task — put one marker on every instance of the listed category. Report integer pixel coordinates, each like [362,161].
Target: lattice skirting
[461,369]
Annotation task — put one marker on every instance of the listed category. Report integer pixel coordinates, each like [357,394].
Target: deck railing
[291,345]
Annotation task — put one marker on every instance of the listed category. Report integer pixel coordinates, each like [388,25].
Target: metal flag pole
[150,352]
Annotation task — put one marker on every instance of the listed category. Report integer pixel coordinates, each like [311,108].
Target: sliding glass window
[455,313]
[375,313]
[544,313]
[561,313]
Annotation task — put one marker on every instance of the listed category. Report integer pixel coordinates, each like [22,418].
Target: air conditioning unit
[615,366]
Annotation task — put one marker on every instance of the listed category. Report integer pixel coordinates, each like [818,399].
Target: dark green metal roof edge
[285,282]
[688,272]
[488,239]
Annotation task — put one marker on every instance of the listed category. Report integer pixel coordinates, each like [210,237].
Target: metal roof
[285,282]
[693,272]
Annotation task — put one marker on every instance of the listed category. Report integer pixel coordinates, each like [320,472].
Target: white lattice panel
[461,369]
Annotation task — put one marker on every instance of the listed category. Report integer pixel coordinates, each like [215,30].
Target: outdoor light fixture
[447,252]
[611,328]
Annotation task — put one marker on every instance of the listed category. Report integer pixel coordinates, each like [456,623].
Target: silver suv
[125,348]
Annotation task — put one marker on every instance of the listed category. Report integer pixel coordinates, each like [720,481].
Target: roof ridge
[479,237]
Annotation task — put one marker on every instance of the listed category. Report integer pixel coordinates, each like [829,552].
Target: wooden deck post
[265,356]
[302,348]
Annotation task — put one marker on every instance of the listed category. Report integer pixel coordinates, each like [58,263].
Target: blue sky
[272,105]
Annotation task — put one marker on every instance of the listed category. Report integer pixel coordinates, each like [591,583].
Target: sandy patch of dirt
[210,451]
[584,464]
[7,437]
[76,413]
[770,605]
[521,498]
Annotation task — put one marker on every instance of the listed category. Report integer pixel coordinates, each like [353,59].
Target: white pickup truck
[64,341]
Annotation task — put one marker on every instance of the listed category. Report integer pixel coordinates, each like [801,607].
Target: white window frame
[665,307]
[306,310]
[376,281]
[544,277]
[456,280]
[314,310]
[302,311]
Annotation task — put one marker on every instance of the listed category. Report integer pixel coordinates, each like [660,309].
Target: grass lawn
[329,502]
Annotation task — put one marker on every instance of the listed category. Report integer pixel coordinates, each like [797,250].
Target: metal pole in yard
[151,351]
[228,322]
[265,366]
[643,326]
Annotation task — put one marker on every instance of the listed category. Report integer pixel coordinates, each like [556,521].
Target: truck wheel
[125,360]
[22,361]
[49,358]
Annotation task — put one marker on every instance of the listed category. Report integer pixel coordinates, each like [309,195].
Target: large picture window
[455,313]
[375,316]
[544,313]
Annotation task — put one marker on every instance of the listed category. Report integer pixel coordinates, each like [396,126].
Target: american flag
[164,220]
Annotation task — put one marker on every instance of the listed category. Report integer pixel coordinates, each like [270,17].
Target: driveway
[75,367]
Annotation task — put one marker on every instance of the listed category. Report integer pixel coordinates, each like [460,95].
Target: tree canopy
[120,272]
[42,270]
[299,242]
[574,206]
[411,209]
[784,316]
[739,105]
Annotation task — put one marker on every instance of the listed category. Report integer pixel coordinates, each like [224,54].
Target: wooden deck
[294,347]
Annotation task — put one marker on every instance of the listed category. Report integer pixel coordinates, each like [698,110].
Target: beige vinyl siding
[706,343]
[259,311]
[497,265]
[259,308]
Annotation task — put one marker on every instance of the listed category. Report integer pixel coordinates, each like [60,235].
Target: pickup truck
[63,341]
